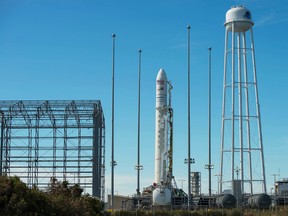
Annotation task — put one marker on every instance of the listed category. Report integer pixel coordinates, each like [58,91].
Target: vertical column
[247,112]
[138,166]
[96,159]
[2,142]
[188,117]
[223,110]
[8,144]
[233,104]
[113,163]
[36,147]
[258,112]
[240,109]
[65,147]
[102,141]
[79,154]
[29,176]
[54,146]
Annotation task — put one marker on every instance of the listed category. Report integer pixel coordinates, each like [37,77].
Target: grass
[279,211]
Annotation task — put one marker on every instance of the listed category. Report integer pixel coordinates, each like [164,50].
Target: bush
[211,212]
[60,199]
[235,212]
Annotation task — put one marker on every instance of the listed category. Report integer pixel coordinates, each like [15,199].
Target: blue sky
[53,49]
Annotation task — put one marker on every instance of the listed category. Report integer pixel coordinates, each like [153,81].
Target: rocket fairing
[161,127]
[161,89]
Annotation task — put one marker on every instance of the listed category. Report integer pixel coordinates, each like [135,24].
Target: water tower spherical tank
[240,17]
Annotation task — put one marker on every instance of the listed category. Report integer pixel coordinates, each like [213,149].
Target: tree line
[58,199]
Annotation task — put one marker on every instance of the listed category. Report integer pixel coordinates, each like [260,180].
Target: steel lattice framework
[63,140]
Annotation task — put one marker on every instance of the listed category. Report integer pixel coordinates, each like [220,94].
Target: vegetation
[206,212]
[59,199]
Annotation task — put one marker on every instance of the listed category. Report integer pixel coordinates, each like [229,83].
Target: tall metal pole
[209,120]
[189,156]
[112,137]
[138,166]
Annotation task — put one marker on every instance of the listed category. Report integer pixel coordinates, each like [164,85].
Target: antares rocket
[162,191]
[160,126]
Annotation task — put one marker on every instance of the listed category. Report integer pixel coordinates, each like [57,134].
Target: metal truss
[47,140]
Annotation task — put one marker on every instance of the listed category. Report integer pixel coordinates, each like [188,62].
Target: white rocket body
[162,192]
[161,127]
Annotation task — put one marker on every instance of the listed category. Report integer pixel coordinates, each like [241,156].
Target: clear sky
[62,49]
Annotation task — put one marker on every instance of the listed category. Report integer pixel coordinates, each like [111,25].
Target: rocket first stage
[162,192]
[160,125]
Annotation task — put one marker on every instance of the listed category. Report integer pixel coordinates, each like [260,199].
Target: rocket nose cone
[161,75]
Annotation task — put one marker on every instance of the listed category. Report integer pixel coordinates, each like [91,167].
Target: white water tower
[242,158]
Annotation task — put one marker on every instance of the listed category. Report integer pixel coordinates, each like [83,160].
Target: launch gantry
[46,140]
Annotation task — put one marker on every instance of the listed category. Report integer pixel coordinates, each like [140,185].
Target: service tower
[242,159]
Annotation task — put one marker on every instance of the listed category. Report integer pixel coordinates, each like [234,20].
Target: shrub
[235,212]
[17,199]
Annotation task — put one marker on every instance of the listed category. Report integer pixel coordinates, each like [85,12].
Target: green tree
[59,199]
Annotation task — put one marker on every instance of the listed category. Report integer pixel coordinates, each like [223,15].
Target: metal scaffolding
[46,140]
[196,183]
